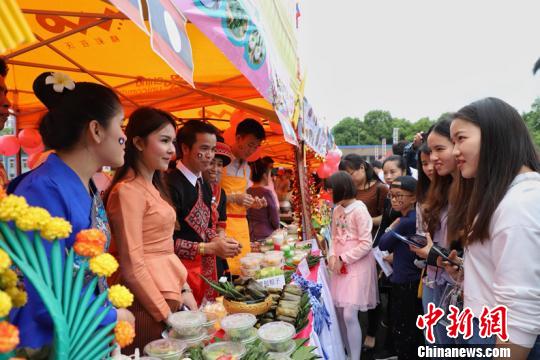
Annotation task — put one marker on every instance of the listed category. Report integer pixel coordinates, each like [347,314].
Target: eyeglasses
[397,197]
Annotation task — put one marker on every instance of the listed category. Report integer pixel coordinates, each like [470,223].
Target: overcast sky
[417,58]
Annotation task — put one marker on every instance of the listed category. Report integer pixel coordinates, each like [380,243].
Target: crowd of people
[468,189]
[182,203]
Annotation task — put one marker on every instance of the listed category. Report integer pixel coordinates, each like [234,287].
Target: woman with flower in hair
[142,223]
[83,126]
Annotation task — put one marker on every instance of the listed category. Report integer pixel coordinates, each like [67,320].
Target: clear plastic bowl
[165,349]
[276,336]
[187,323]
[237,326]
[226,348]
[273,258]
[251,262]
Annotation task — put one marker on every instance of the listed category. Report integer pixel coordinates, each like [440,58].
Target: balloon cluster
[330,164]
[230,134]
[28,139]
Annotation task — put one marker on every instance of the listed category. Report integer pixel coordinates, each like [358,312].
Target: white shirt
[192,178]
[505,269]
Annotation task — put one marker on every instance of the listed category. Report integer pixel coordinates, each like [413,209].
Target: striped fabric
[146,328]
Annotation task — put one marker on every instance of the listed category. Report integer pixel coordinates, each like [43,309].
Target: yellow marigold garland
[56,228]
[5,261]
[120,296]
[18,296]
[5,304]
[11,207]
[103,265]
[8,279]
[90,242]
[34,218]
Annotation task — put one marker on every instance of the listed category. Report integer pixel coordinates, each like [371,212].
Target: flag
[298,14]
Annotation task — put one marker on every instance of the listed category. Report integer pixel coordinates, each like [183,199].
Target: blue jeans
[434,295]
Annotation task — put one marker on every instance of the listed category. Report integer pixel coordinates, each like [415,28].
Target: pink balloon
[29,138]
[255,156]
[9,145]
[323,171]
[334,168]
[34,150]
[333,157]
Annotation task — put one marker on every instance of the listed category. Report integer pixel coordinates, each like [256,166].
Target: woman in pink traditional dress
[354,274]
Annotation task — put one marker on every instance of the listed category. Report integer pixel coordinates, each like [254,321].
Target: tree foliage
[378,124]
[375,125]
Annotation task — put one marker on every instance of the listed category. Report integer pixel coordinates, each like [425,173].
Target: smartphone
[415,240]
[444,255]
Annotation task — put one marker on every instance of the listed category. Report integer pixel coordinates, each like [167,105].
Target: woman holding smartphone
[496,210]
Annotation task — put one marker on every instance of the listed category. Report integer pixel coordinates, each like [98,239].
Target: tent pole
[110,15]
[65,68]
[43,42]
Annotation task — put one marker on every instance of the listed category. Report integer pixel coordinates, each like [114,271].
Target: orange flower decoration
[90,243]
[124,333]
[2,193]
[9,337]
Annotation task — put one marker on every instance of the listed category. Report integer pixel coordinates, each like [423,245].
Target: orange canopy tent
[92,40]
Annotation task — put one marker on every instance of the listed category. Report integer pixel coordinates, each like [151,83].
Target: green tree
[532,119]
[348,131]
[377,124]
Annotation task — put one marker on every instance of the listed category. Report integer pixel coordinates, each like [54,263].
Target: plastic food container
[237,326]
[188,323]
[214,311]
[165,349]
[255,255]
[187,342]
[276,336]
[273,259]
[226,349]
[251,262]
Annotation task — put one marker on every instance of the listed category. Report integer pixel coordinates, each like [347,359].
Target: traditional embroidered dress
[192,201]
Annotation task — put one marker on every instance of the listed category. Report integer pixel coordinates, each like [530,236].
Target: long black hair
[424,182]
[506,147]
[70,111]
[142,122]
[355,162]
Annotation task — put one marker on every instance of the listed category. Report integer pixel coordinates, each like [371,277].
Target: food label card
[275,282]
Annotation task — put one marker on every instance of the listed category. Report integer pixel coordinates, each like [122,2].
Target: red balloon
[230,135]
[35,150]
[255,156]
[323,171]
[333,157]
[29,138]
[9,145]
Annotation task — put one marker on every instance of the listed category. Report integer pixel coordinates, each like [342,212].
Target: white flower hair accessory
[60,81]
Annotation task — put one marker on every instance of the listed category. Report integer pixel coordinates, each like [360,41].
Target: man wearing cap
[4,113]
[195,241]
[235,182]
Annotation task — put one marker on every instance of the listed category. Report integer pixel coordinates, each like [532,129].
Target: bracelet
[201,248]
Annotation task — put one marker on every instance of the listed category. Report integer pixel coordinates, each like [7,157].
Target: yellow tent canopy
[91,40]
